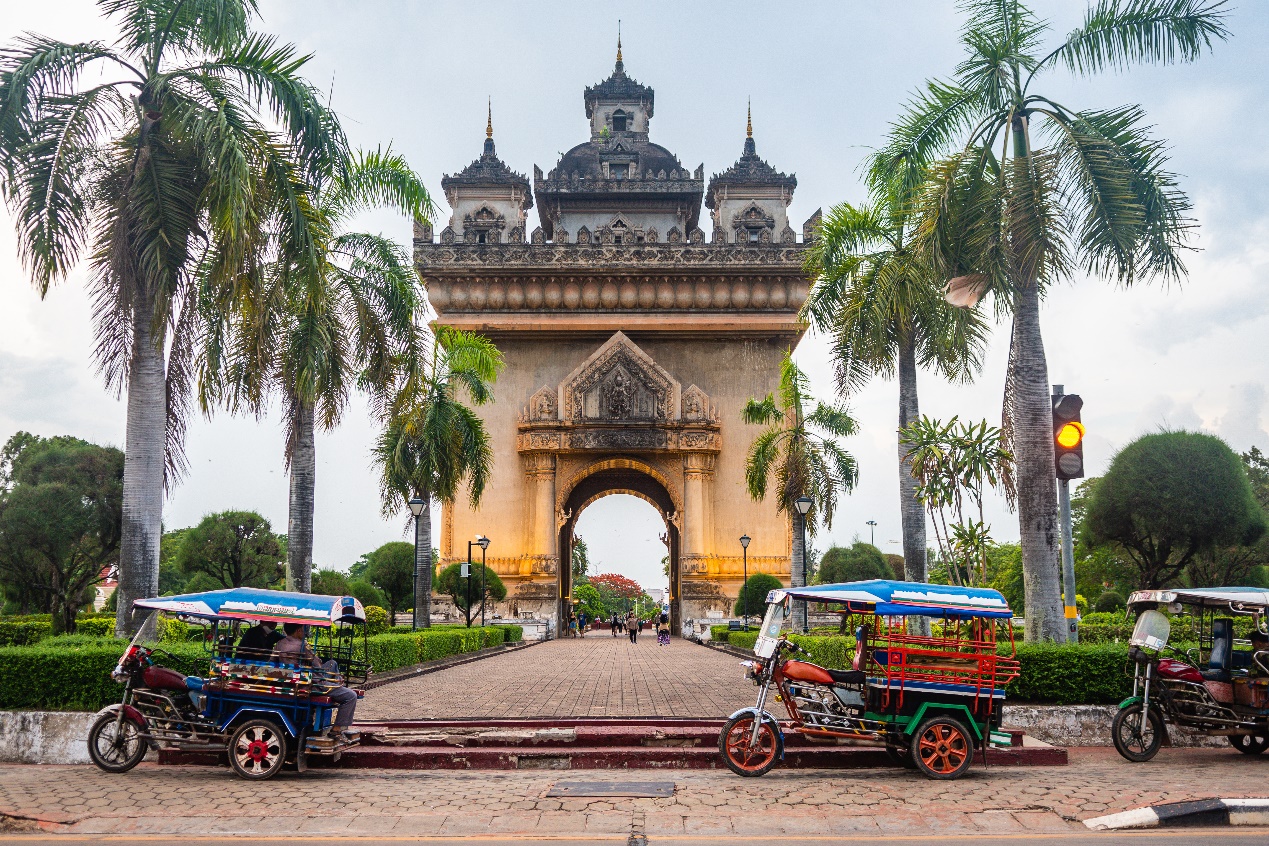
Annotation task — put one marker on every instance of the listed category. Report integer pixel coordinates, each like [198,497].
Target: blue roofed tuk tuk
[930,700]
[261,709]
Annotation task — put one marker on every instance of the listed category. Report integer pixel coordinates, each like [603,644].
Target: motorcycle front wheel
[115,746]
[742,755]
[1137,734]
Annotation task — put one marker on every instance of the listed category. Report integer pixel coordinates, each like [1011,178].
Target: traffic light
[1068,436]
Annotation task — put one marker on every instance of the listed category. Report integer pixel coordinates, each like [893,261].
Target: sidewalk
[172,801]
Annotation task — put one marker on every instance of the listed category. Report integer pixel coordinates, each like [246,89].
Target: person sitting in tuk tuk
[293,650]
[258,641]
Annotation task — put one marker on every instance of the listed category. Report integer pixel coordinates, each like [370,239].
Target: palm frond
[1121,33]
[381,178]
[764,413]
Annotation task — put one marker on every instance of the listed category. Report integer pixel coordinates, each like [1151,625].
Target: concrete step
[595,743]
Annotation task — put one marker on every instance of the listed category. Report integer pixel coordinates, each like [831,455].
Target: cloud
[1241,425]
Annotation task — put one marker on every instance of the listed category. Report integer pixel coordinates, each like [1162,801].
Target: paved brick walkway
[596,676]
[172,801]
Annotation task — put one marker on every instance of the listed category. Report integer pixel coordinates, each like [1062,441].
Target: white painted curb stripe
[1248,811]
[1136,818]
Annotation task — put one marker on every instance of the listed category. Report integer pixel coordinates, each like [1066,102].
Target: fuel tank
[802,671]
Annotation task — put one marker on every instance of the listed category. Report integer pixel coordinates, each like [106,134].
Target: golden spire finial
[619,40]
[489,120]
[749,119]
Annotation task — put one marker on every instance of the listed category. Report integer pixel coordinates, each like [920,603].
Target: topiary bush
[377,622]
[720,634]
[753,594]
[1071,674]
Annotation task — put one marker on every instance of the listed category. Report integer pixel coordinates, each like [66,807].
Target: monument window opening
[480,238]
[618,121]
[619,171]
[754,236]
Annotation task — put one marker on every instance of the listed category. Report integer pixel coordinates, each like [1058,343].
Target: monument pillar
[540,470]
[698,475]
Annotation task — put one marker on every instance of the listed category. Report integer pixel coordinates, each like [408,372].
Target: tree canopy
[233,549]
[391,570]
[1169,496]
[451,583]
[61,503]
[855,563]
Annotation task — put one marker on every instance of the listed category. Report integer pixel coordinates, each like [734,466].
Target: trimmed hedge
[25,631]
[1078,674]
[72,673]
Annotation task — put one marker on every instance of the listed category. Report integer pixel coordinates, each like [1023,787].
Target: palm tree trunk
[145,441]
[911,511]
[423,565]
[797,578]
[1037,491]
[299,532]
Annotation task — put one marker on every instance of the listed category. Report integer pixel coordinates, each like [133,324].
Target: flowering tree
[618,592]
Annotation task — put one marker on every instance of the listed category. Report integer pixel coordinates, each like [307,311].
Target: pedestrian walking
[614,625]
[632,626]
[663,630]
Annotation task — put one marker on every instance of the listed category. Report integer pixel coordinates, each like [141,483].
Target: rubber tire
[768,737]
[130,729]
[1249,744]
[947,739]
[900,756]
[1119,725]
[239,758]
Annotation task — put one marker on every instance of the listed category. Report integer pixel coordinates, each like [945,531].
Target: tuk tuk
[1205,679]
[930,700]
[262,712]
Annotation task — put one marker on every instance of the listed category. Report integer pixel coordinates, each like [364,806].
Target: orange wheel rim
[943,748]
[746,755]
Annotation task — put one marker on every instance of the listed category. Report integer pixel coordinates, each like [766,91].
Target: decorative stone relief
[619,439]
[583,235]
[651,236]
[538,237]
[812,224]
[674,236]
[542,405]
[447,235]
[696,236]
[696,404]
[620,382]
[423,231]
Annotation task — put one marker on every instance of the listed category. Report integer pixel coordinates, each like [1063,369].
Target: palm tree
[802,461]
[1004,216]
[878,299]
[200,131]
[431,441]
[333,316]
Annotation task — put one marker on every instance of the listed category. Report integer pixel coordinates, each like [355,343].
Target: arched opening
[635,482]
[619,121]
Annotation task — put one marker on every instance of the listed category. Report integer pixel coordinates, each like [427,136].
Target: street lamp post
[872,532]
[803,505]
[416,508]
[484,545]
[744,602]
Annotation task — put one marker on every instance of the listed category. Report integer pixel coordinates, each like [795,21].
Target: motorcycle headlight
[752,669]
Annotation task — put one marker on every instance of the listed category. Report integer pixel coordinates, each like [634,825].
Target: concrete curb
[1195,812]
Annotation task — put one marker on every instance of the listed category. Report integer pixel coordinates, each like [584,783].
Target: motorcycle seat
[847,676]
[1217,674]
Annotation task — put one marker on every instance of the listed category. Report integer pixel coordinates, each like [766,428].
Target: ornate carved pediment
[619,382]
[696,405]
[542,405]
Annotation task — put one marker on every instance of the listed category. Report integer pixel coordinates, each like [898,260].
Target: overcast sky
[825,79]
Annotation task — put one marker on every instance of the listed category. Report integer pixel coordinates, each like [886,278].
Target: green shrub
[23,632]
[390,652]
[172,630]
[719,634]
[742,640]
[377,622]
[515,634]
[433,644]
[1071,674]
[1109,601]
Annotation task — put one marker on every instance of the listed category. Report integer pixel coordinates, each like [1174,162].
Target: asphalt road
[1187,836]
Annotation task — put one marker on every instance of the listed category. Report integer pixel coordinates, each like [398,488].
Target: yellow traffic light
[1070,435]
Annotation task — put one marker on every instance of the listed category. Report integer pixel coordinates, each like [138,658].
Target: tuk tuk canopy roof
[900,599]
[1223,597]
[243,603]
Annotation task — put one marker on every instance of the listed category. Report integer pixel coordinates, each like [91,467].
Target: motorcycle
[1218,687]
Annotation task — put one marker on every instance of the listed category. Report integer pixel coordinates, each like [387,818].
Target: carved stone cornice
[564,437]
[433,257]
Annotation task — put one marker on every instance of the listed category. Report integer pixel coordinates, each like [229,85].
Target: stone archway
[620,476]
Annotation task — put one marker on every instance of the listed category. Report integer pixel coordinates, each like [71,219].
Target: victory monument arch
[631,347]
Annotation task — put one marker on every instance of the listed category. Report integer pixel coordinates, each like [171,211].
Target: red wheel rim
[943,748]
[747,756]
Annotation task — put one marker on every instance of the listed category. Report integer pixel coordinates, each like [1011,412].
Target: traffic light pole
[1068,551]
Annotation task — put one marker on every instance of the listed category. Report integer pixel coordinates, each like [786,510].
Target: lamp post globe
[484,545]
[744,601]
